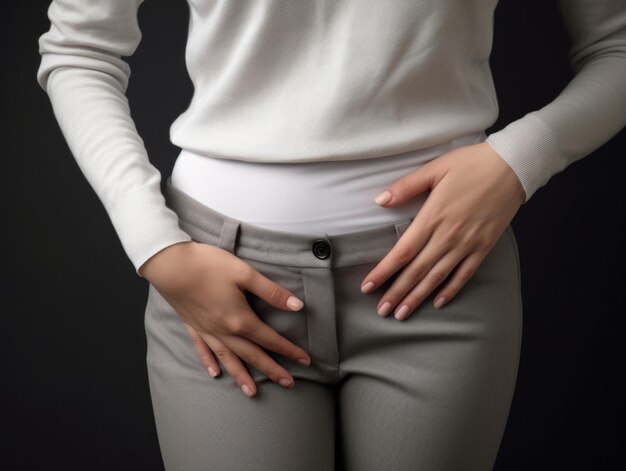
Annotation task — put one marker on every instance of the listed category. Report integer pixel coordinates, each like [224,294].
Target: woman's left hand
[474,195]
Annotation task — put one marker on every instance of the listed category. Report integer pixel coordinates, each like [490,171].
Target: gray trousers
[432,392]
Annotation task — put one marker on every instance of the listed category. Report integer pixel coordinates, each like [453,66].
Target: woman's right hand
[205,286]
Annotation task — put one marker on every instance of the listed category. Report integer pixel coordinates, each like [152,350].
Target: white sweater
[312,80]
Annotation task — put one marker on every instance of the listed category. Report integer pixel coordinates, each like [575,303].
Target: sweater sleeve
[85,77]
[589,111]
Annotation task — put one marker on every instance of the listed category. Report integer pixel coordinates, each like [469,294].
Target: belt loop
[403,226]
[228,235]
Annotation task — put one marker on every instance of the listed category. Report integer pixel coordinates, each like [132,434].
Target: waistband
[302,249]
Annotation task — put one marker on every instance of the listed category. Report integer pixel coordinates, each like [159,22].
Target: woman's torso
[304,111]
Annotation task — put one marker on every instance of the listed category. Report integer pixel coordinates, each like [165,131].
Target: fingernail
[384,197]
[285,382]
[304,361]
[366,288]
[247,390]
[439,302]
[294,303]
[384,309]
[212,372]
[401,312]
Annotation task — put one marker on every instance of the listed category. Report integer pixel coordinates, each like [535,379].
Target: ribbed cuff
[145,225]
[531,149]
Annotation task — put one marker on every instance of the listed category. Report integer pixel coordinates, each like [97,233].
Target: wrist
[162,259]
[519,193]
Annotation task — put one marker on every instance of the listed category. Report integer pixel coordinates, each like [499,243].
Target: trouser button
[321,249]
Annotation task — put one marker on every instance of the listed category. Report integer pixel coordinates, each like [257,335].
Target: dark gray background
[74,385]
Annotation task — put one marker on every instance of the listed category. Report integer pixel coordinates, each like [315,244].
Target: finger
[248,324]
[254,355]
[262,334]
[412,274]
[232,363]
[461,276]
[437,247]
[205,354]
[271,292]
[410,277]
[435,276]
[411,243]
[409,185]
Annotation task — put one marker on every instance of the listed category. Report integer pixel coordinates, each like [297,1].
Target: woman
[402,351]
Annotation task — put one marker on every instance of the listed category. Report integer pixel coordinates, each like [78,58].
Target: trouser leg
[431,392]
[206,423]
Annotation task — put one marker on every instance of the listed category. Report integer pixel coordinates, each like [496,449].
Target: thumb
[272,293]
[407,187]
